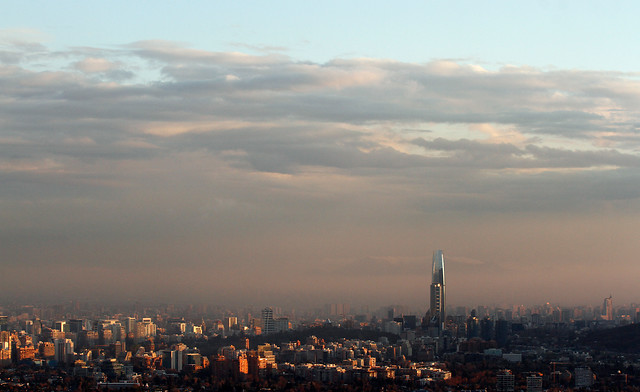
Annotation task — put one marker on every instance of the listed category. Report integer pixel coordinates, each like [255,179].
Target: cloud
[260,48]
[172,53]
[482,155]
[154,151]
[352,115]
[92,65]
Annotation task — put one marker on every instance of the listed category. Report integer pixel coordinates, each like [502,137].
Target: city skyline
[305,154]
[605,306]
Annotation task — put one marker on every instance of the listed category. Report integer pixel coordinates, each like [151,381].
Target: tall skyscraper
[436,314]
[607,308]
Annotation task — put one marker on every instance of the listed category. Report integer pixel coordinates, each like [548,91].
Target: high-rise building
[505,381]
[172,359]
[268,324]
[129,325]
[60,326]
[502,332]
[5,349]
[607,309]
[583,377]
[473,326]
[487,329]
[534,382]
[63,350]
[76,325]
[230,322]
[436,314]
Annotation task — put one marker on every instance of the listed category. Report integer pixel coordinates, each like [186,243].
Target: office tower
[230,322]
[5,349]
[409,322]
[607,309]
[487,329]
[505,381]
[502,332]
[28,326]
[129,325]
[60,326]
[534,383]
[436,314]
[268,325]
[5,340]
[337,309]
[473,326]
[76,325]
[583,377]
[281,324]
[172,359]
[64,350]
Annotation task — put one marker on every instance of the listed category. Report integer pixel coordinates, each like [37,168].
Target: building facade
[607,309]
[268,323]
[436,315]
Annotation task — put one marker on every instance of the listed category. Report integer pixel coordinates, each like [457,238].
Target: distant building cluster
[127,348]
[342,361]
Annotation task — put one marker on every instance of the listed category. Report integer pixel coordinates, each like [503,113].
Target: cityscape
[169,347]
[319,196]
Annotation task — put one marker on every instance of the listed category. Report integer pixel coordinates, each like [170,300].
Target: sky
[298,153]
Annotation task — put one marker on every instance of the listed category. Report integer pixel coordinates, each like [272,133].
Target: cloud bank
[239,176]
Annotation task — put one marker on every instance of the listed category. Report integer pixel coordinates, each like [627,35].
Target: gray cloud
[505,156]
[153,153]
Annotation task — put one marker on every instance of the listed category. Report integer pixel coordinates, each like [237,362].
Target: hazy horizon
[300,154]
[283,309]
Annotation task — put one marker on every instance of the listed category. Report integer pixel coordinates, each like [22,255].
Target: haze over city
[300,154]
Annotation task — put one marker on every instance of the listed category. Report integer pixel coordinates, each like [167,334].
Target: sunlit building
[64,350]
[46,350]
[5,349]
[436,315]
[60,326]
[230,322]
[129,325]
[144,329]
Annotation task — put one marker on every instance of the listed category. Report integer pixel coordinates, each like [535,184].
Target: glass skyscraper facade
[437,291]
